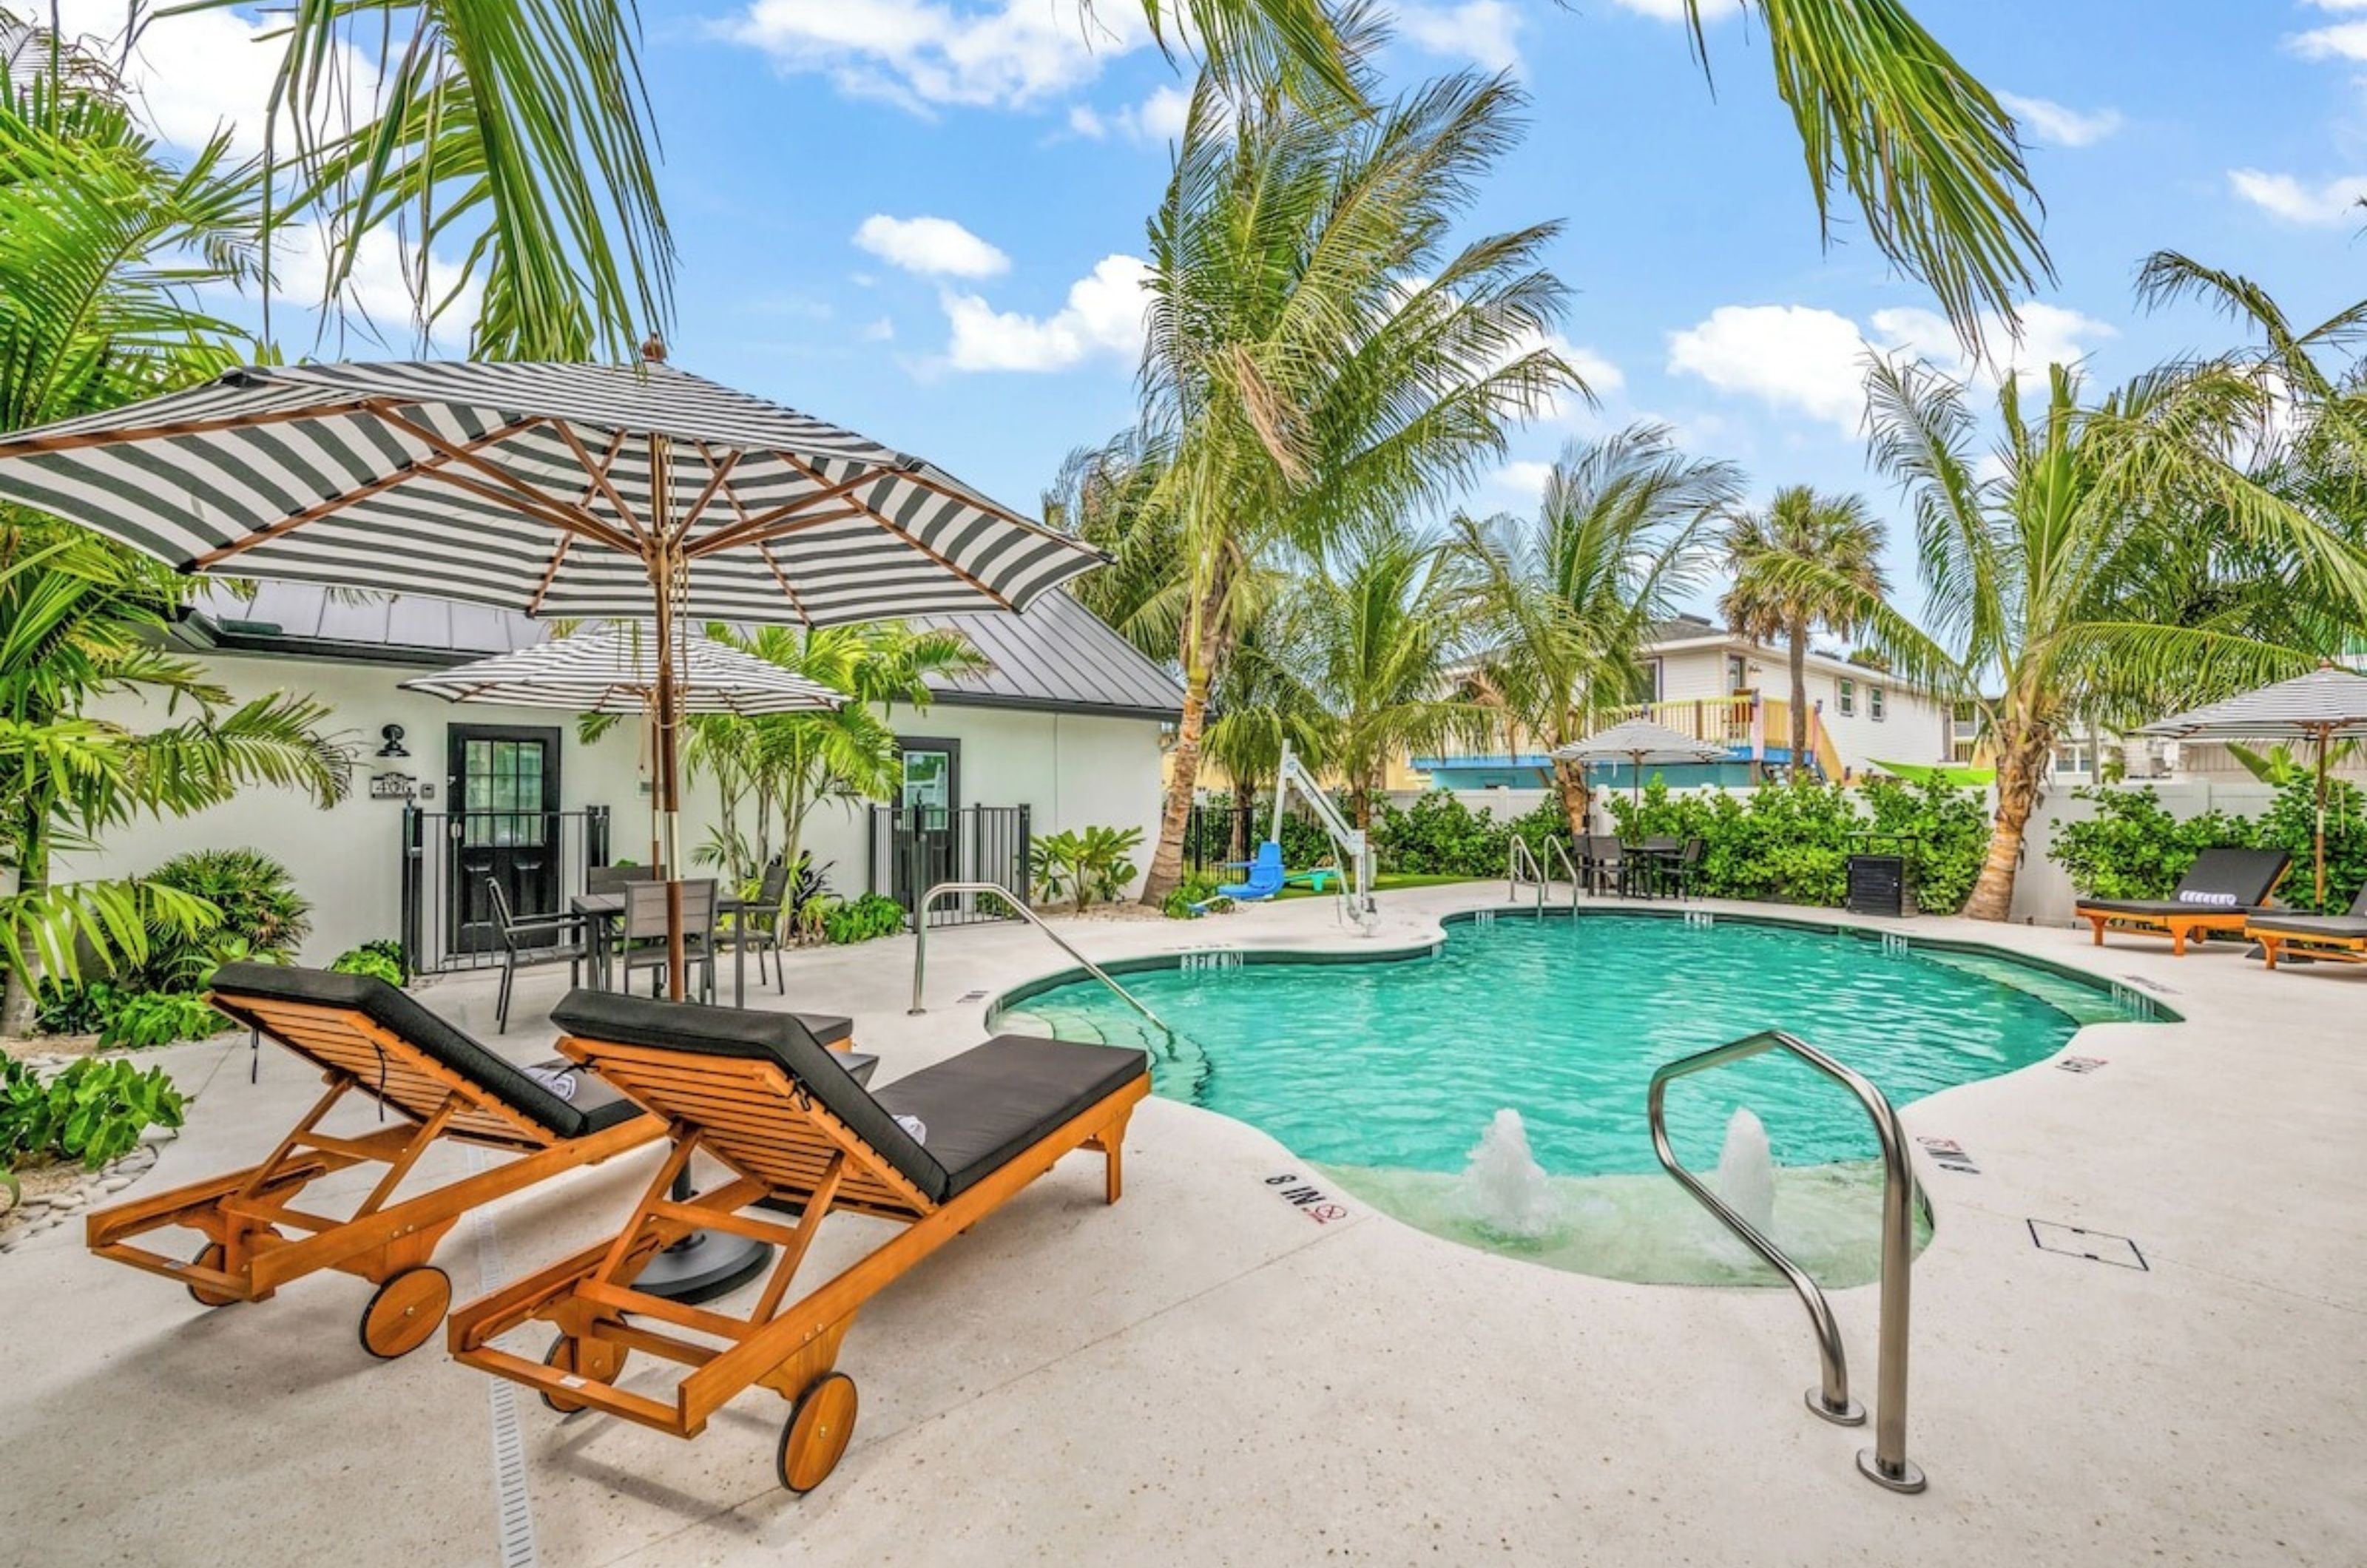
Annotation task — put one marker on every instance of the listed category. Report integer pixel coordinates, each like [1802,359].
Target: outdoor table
[603,911]
[1648,864]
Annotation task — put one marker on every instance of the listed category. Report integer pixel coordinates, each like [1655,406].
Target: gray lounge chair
[2341,937]
[2220,892]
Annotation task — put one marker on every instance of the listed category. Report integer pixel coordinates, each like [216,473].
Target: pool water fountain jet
[1503,1188]
[1746,1172]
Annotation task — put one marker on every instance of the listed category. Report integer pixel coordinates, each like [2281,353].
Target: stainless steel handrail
[1556,847]
[1515,857]
[921,944]
[1885,1463]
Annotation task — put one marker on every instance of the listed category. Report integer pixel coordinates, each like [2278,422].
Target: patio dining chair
[759,923]
[613,878]
[643,939]
[1600,862]
[534,937]
[1680,872]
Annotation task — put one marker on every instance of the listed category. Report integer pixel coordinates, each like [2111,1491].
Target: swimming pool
[1390,1073]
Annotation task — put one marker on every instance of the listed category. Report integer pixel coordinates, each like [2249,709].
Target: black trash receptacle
[1882,881]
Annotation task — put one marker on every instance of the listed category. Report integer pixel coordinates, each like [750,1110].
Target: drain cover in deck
[2096,1247]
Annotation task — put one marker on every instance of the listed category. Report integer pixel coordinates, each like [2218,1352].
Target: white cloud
[881,331]
[2344,40]
[2052,123]
[1522,483]
[2327,202]
[1158,119]
[379,289]
[1102,318]
[1484,30]
[934,247]
[1811,361]
[921,54]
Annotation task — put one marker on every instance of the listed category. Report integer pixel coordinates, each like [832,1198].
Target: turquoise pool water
[1387,1073]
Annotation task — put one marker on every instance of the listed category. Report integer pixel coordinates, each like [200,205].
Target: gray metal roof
[1056,656]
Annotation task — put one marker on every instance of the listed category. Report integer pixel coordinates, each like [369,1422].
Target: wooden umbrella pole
[664,563]
[2324,734]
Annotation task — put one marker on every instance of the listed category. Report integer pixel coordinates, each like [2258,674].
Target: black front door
[502,786]
[928,808]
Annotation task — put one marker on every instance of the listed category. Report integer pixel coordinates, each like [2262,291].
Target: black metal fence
[540,857]
[1219,831]
[914,848]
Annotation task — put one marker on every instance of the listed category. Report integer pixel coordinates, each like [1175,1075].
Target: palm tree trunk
[1576,799]
[1799,662]
[2021,758]
[1183,777]
[1244,820]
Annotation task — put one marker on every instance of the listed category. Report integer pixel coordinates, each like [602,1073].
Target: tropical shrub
[873,915]
[1198,887]
[2132,847]
[263,917]
[1084,867]
[369,960]
[94,1111]
[72,1007]
[147,1018]
[1948,831]
[1438,835]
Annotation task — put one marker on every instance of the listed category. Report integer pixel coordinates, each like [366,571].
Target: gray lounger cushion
[981,1109]
[2332,926]
[400,1014]
[2220,882]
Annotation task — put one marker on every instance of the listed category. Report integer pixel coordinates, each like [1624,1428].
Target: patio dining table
[1644,867]
[603,912]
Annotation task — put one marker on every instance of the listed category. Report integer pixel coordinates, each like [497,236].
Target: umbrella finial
[653,349]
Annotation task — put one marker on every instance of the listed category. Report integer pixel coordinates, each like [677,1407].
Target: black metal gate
[541,858]
[914,848]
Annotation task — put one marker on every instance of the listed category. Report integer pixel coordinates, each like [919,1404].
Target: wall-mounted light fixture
[393,746]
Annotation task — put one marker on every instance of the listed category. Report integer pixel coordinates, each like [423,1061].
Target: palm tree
[1318,356]
[79,621]
[2046,583]
[1261,703]
[1382,633]
[788,763]
[1565,601]
[1836,530]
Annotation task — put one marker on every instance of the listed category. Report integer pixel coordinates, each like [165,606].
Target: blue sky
[919,218]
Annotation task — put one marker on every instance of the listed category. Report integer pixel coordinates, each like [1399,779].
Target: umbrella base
[703,1265]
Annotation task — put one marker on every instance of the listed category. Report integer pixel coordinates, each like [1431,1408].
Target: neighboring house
[1062,732]
[1708,683]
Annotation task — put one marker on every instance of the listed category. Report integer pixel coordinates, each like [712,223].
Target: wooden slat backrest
[388,1069]
[753,1118]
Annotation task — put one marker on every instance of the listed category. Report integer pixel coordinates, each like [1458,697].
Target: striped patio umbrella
[590,491]
[1640,743]
[2329,704]
[614,669]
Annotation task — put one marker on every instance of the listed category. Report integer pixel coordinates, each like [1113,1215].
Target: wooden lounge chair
[377,1043]
[2339,937]
[758,1093]
[2220,891]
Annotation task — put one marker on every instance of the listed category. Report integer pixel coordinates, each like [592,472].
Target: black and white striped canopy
[2329,703]
[530,486]
[614,669]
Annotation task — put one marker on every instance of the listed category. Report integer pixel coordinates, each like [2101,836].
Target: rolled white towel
[914,1125]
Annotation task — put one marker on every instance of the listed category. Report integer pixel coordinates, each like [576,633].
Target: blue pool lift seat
[1265,878]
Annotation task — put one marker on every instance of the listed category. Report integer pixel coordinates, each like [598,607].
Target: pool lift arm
[1355,853]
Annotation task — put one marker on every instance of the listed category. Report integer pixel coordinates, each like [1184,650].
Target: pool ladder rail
[1521,858]
[1885,1463]
[1017,907]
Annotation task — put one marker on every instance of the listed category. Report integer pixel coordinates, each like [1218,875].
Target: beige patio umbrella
[1640,743]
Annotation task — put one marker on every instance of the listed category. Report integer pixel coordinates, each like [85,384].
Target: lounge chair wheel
[209,1256]
[816,1433]
[403,1313]
[565,1355]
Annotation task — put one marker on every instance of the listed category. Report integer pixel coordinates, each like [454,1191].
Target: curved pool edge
[1441,928]
[1437,930]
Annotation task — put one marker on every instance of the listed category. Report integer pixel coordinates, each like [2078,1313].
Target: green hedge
[2133,848]
[1791,843]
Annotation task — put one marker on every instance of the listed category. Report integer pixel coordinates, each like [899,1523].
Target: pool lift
[1355,906]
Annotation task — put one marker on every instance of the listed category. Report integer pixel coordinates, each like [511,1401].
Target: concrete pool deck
[1204,1374]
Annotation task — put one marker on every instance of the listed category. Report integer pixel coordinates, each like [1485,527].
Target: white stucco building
[1064,726]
